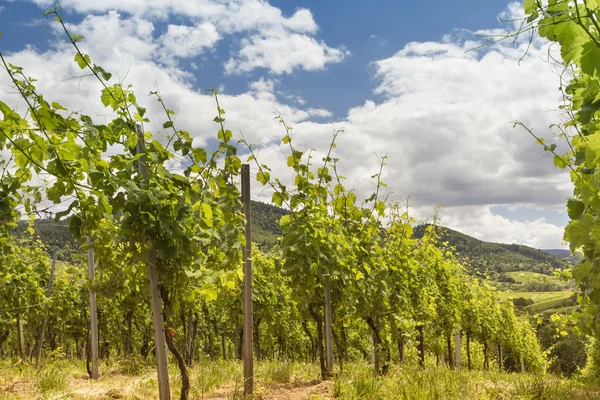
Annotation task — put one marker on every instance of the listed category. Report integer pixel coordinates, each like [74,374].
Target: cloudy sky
[396,76]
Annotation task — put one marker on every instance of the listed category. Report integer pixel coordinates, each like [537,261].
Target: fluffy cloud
[275,42]
[188,41]
[282,52]
[481,223]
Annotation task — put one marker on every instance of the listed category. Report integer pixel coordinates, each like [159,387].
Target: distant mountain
[563,253]
[494,259]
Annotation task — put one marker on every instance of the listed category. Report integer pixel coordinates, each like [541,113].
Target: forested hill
[265,230]
[482,257]
[265,223]
[494,258]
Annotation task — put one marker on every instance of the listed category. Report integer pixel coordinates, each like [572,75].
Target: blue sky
[369,30]
[395,75]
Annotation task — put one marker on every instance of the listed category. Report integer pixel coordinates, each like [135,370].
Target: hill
[265,230]
[483,258]
[564,253]
[496,259]
[265,223]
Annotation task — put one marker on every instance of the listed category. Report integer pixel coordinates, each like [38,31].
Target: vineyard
[160,290]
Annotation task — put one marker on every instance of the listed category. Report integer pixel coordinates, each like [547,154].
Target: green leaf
[577,231]
[224,136]
[277,199]
[57,106]
[575,208]
[199,155]
[263,177]
[562,161]
[291,161]
[207,214]
[529,6]
[82,61]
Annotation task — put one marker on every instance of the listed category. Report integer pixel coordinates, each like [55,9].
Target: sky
[402,79]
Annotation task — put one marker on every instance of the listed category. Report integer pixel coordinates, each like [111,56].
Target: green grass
[537,297]
[547,305]
[547,302]
[528,276]
[561,310]
[413,383]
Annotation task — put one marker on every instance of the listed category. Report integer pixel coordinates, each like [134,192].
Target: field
[528,276]
[537,297]
[283,380]
[544,302]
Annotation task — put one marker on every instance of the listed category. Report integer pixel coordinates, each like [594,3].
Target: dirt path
[314,390]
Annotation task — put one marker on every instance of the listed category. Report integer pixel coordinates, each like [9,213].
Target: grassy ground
[278,381]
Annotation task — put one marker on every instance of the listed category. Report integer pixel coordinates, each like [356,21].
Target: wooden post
[328,328]
[522,364]
[21,337]
[45,320]
[93,310]
[374,354]
[500,357]
[188,341]
[469,349]
[401,351]
[248,361]
[457,345]
[160,342]
[421,346]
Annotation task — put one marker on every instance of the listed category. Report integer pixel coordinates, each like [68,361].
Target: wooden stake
[457,345]
[160,343]
[500,357]
[248,323]
[522,364]
[93,310]
[328,329]
[45,320]
[375,354]
[21,337]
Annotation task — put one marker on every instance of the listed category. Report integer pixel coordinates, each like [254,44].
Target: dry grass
[222,380]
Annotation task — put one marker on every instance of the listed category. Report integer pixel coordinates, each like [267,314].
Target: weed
[53,378]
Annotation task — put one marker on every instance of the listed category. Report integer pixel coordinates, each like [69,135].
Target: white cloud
[188,41]
[319,112]
[483,224]
[263,85]
[278,43]
[282,52]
